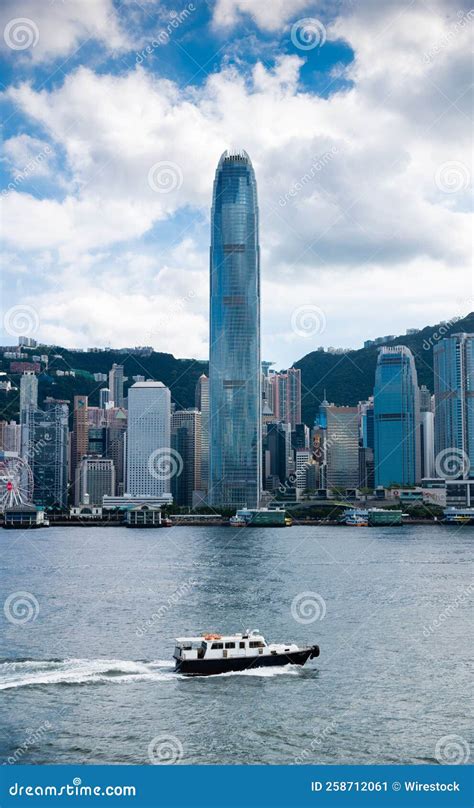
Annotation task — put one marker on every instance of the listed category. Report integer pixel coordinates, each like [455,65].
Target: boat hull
[210,667]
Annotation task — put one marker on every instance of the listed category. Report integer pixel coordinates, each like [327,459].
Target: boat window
[256,644]
[230,645]
[216,645]
[241,645]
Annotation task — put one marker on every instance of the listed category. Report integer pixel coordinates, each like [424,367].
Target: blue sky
[354,114]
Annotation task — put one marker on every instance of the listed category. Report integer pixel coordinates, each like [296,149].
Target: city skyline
[119,252]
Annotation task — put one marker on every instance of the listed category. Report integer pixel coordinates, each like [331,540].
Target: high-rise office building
[150,461]
[186,440]
[104,397]
[341,446]
[453,359]
[28,392]
[116,385]
[202,404]
[277,455]
[10,436]
[234,367]
[48,455]
[115,431]
[80,434]
[287,396]
[95,479]
[396,418]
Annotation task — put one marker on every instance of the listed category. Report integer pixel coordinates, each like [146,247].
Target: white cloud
[270,16]
[53,28]
[370,219]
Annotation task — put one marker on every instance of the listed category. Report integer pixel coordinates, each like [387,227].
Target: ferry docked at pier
[260,517]
[458,516]
[355,517]
[221,653]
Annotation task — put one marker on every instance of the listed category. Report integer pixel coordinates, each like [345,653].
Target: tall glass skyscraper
[453,359]
[396,418]
[234,366]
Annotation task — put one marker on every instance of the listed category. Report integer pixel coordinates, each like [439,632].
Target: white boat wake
[29,673]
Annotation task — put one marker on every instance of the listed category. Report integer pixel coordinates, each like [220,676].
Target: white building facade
[150,461]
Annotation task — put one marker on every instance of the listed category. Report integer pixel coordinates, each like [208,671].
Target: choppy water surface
[87,673]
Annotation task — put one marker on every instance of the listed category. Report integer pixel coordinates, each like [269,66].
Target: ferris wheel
[16,481]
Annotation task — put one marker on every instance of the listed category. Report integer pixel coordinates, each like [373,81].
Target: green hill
[349,378]
[346,378]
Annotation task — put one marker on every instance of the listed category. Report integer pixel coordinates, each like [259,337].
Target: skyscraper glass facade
[396,418]
[234,367]
[453,361]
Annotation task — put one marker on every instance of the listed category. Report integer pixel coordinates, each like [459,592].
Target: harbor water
[90,617]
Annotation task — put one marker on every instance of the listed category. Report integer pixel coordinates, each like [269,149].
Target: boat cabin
[219,646]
